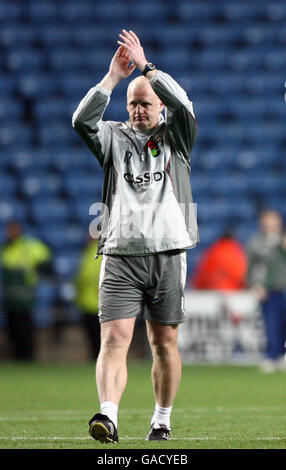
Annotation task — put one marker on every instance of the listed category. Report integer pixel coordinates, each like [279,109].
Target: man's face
[143,106]
[271,223]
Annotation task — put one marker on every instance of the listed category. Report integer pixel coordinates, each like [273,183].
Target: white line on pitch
[61,438]
[24,418]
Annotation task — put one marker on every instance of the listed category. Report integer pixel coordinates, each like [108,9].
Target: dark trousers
[274,313]
[92,328]
[21,333]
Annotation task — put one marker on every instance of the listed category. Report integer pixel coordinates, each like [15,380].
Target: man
[23,258]
[261,249]
[275,308]
[147,224]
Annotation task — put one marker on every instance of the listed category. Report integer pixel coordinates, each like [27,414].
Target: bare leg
[111,367]
[166,370]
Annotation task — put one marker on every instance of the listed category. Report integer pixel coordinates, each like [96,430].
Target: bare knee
[164,342]
[116,334]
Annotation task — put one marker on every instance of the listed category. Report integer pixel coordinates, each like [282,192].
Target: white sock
[109,409]
[162,415]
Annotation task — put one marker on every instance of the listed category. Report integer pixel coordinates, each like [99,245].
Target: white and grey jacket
[147,200]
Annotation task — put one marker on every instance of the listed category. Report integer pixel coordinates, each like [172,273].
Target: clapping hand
[119,66]
[131,43]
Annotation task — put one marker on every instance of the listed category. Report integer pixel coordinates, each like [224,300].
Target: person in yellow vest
[86,283]
[23,259]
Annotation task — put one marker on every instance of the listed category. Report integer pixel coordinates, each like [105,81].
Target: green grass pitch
[47,406]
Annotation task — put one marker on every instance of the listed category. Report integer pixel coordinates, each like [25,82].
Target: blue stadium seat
[45,12]
[200,182]
[81,208]
[26,159]
[14,135]
[85,35]
[229,184]
[237,12]
[54,133]
[106,13]
[51,109]
[228,83]
[76,12]
[10,11]
[11,35]
[7,84]
[41,185]
[10,110]
[25,59]
[75,85]
[219,160]
[64,59]
[56,35]
[276,12]
[267,184]
[12,208]
[225,211]
[196,12]
[274,61]
[8,185]
[38,85]
[49,211]
[61,236]
[148,11]
[71,160]
[76,61]
[46,293]
[66,263]
[82,184]
[183,59]
[262,84]
[257,159]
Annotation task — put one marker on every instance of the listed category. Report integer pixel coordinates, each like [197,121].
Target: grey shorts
[152,285]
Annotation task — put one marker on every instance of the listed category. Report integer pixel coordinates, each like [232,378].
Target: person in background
[261,249]
[223,266]
[23,259]
[87,283]
[274,309]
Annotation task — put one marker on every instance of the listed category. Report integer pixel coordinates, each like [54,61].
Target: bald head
[139,82]
[143,105]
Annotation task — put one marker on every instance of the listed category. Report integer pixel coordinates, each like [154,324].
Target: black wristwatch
[148,68]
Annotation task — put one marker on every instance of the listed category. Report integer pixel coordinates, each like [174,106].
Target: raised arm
[179,109]
[87,119]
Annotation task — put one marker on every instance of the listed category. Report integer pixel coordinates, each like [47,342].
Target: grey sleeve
[87,121]
[181,121]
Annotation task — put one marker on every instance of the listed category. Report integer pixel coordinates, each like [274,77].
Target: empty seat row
[27,59]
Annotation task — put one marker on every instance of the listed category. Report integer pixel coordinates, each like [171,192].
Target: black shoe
[158,432]
[102,429]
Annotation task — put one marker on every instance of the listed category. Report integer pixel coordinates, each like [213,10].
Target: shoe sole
[159,439]
[163,439]
[100,432]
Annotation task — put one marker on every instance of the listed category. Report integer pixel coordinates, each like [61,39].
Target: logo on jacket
[153,145]
[145,178]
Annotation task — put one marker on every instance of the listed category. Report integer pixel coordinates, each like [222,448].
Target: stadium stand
[229,57]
